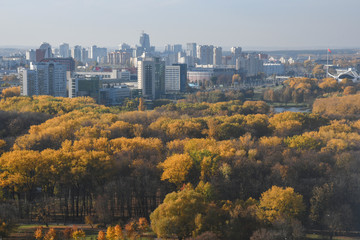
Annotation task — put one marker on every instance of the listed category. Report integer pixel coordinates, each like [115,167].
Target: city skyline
[252,24]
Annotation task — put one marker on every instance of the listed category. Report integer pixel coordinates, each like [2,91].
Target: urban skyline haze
[276,24]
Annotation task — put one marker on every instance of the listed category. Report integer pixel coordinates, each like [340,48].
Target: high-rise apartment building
[151,77]
[98,54]
[191,49]
[250,64]
[235,53]
[173,48]
[84,55]
[177,48]
[31,55]
[76,53]
[28,82]
[46,78]
[205,54]
[93,53]
[172,79]
[217,56]
[175,78]
[64,50]
[119,57]
[168,48]
[183,76]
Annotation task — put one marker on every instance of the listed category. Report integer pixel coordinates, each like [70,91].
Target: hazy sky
[281,24]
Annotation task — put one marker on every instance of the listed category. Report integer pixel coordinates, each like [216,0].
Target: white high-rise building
[45,78]
[28,82]
[64,50]
[205,54]
[172,79]
[235,53]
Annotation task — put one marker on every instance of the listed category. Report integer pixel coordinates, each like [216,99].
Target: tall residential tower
[151,77]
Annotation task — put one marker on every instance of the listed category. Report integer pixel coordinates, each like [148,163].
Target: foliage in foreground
[114,166]
[190,213]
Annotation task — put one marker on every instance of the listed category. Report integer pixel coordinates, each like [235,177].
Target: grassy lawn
[26,231]
[316,236]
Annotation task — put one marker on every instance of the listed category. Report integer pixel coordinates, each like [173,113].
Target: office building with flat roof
[151,77]
[85,87]
[114,95]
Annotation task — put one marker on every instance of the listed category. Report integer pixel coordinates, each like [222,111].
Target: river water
[291,109]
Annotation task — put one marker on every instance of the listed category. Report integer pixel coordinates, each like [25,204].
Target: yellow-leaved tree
[278,202]
[10,92]
[101,236]
[177,214]
[176,168]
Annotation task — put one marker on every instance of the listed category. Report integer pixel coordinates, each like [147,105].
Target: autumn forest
[229,168]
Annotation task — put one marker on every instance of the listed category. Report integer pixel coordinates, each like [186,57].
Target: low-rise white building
[273,68]
[114,74]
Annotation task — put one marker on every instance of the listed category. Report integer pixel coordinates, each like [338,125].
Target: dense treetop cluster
[229,169]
